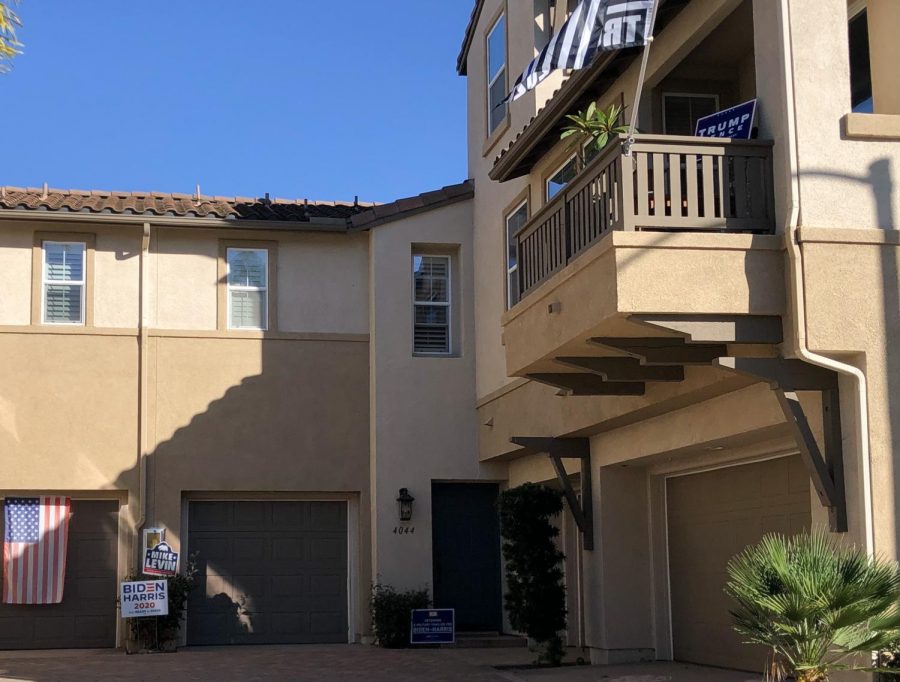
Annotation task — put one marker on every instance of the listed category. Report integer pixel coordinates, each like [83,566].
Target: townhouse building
[691,337]
[695,337]
[259,379]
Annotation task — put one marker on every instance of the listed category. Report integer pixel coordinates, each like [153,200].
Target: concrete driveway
[332,663]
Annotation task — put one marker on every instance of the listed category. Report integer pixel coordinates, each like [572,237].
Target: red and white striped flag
[34,549]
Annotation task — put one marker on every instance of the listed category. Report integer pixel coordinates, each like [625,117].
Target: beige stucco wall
[323,284]
[280,415]
[843,182]
[423,416]
[15,264]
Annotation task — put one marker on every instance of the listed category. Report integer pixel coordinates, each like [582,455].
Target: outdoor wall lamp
[405,503]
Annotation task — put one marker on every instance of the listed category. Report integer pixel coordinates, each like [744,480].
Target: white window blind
[515,221]
[431,304]
[248,288]
[63,282]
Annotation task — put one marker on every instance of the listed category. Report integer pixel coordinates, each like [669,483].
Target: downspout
[143,365]
[797,287]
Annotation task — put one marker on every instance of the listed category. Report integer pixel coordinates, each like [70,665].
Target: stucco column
[884,54]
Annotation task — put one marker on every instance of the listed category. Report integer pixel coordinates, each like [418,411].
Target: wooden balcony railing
[684,184]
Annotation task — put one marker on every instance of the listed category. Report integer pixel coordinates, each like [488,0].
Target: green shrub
[160,632]
[536,597]
[817,605]
[391,614]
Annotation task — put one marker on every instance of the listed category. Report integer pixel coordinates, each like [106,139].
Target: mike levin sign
[736,123]
[160,560]
[144,598]
[432,626]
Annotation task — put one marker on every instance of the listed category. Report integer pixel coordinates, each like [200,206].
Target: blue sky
[323,100]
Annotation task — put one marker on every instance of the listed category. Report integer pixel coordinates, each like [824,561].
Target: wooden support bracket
[826,469]
[569,448]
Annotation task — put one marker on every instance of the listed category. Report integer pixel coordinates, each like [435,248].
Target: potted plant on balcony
[591,130]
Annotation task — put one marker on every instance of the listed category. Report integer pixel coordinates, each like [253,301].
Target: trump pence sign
[144,598]
[736,123]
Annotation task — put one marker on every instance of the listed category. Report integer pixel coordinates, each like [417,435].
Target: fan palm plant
[818,606]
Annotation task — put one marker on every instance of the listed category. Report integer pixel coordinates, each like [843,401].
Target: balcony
[718,185]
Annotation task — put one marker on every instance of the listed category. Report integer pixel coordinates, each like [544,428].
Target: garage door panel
[331,517]
[89,591]
[713,516]
[250,517]
[264,574]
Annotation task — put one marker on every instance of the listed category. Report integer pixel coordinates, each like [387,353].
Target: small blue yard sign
[736,123]
[432,626]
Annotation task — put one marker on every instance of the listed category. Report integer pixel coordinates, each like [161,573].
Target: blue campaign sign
[736,123]
[432,626]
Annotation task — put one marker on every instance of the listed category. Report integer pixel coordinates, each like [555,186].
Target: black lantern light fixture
[404,503]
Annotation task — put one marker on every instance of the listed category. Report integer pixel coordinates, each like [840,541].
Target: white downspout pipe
[142,381]
[797,288]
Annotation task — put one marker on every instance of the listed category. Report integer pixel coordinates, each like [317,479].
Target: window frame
[522,201]
[88,242]
[224,288]
[449,304]
[45,282]
[490,81]
[665,95]
[547,197]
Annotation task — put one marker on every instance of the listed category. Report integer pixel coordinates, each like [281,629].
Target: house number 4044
[404,530]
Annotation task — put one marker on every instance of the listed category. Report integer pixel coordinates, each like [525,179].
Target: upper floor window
[515,221]
[860,66]
[431,304]
[248,288]
[496,74]
[681,111]
[560,178]
[63,282]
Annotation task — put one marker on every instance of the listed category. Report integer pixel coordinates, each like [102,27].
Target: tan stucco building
[693,340]
[709,325]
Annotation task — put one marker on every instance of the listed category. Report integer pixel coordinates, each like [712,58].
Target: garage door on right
[711,517]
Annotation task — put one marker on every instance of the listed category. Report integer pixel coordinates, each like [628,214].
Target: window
[561,178]
[248,288]
[431,304]
[496,76]
[515,221]
[682,111]
[63,282]
[860,67]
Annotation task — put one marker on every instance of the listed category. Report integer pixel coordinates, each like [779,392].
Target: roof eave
[462,59]
[325,225]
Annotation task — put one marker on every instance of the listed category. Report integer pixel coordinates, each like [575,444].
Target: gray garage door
[269,572]
[712,516]
[87,615]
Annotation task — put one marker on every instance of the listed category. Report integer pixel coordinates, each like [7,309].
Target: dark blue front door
[466,547]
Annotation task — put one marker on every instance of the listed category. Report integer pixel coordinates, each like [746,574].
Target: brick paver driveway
[336,663]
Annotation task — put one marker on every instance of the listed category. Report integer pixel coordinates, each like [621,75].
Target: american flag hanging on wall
[594,26]
[34,549]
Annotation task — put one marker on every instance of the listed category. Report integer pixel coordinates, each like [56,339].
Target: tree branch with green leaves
[9,44]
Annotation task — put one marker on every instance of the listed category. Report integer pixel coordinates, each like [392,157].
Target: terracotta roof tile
[355,215]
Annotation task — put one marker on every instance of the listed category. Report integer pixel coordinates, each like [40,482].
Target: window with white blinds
[248,288]
[63,282]
[431,304]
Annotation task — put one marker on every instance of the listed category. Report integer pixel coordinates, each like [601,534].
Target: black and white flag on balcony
[594,26]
